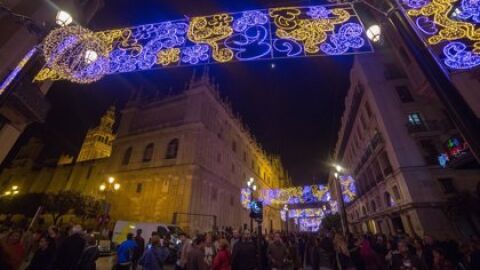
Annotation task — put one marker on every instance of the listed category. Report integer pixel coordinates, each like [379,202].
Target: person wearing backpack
[155,256]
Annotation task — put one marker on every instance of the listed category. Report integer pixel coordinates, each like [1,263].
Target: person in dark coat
[244,253]
[196,255]
[43,257]
[89,255]
[70,250]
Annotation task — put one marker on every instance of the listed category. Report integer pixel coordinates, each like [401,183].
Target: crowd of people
[77,249]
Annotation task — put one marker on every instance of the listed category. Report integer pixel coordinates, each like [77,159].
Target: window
[389,202]
[89,172]
[415,119]
[148,153]
[126,156]
[233,168]
[172,149]
[364,211]
[234,146]
[396,193]
[139,188]
[385,163]
[430,152]
[447,185]
[214,193]
[404,93]
[373,206]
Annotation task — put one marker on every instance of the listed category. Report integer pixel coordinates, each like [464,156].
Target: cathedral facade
[183,155]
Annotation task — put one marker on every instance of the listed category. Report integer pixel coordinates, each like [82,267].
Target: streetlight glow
[15,192]
[63,18]
[14,187]
[374,33]
[102,187]
[90,56]
[116,186]
[336,175]
[111,180]
[254,187]
[7,193]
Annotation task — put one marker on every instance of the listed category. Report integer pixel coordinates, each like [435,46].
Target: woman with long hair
[222,260]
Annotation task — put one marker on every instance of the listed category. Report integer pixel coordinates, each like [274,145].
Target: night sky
[293,109]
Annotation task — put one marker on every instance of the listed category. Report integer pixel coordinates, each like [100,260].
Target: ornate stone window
[172,149]
[126,156]
[148,152]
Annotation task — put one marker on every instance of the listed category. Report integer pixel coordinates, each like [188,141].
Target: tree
[25,204]
[331,221]
[62,203]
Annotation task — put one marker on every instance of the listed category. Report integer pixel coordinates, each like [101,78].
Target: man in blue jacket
[125,253]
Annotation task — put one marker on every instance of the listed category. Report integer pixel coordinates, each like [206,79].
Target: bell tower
[98,141]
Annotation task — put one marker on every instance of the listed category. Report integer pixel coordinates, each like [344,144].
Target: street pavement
[106,263]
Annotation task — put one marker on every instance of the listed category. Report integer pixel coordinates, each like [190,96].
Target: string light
[75,53]
[8,80]
[220,38]
[451,24]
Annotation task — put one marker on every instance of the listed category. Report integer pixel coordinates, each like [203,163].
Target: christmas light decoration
[295,195]
[452,25]
[349,190]
[75,53]
[221,38]
[12,75]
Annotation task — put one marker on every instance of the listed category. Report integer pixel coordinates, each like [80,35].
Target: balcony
[429,127]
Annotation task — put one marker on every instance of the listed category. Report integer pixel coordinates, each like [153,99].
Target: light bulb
[374,33]
[63,18]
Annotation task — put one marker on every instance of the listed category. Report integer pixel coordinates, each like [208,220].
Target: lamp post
[63,18]
[12,191]
[285,208]
[107,189]
[341,204]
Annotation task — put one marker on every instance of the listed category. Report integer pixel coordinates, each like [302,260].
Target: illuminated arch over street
[273,33]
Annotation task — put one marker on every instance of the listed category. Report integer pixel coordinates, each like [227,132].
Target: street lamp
[63,18]
[338,187]
[13,190]
[90,56]
[374,33]
[107,188]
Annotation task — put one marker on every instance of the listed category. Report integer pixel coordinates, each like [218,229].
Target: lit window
[415,119]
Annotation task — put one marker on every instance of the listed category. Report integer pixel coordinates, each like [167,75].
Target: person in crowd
[44,255]
[89,255]
[70,249]
[428,245]
[235,238]
[196,255]
[368,255]
[125,253]
[154,257]
[325,253]
[222,260]
[244,253]
[402,259]
[343,256]
[13,246]
[277,253]
[139,250]
[209,250]
[182,253]
[5,262]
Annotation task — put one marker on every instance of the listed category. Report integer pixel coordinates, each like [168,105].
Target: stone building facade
[185,153]
[393,134]
[189,154]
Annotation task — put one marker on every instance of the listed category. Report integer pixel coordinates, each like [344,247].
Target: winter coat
[244,256]
[154,258]
[222,261]
[196,259]
[69,252]
[88,258]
